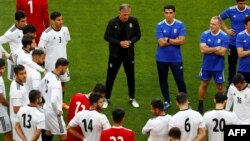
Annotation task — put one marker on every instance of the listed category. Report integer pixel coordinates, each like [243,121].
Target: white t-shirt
[3,109]
[51,89]
[158,128]
[30,119]
[13,36]
[92,124]
[54,44]
[215,121]
[188,121]
[240,101]
[33,79]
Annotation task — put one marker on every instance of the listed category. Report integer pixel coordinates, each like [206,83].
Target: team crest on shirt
[130,25]
[244,41]
[19,36]
[175,30]
[209,40]
[219,41]
[234,16]
[234,93]
[54,38]
[164,31]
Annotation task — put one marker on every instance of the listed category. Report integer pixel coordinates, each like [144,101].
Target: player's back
[92,123]
[33,79]
[189,121]
[215,121]
[30,119]
[117,134]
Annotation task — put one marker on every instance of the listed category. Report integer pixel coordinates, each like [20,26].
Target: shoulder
[48,29]
[131,18]
[65,28]
[232,8]
[161,22]
[179,22]
[241,33]
[206,32]
[13,28]
[223,33]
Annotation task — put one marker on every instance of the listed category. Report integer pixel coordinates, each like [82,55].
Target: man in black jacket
[122,33]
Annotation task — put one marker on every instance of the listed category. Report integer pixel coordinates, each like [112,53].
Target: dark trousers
[113,68]
[177,71]
[232,62]
[246,76]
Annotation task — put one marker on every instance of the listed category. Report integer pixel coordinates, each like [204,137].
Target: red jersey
[117,134]
[37,14]
[78,103]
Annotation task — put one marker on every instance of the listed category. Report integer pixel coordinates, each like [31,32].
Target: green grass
[88,52]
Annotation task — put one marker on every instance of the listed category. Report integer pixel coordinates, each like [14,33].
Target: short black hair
[27,40]
[94,97]
[181,98]
[118,114]
[37,52]
[54,15]
[30,28]
[157,104]
[20,14]
[175,133]
[33,95]
[240,0]
[246,20]
[99,88]
[169,6]
[220,97]
[61,62]
[18,68]
[2,62]
[238,78]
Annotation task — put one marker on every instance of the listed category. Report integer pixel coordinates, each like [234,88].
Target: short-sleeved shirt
[170,53]
[33,79]
[243,41]
[188,121]
[91,122]
[117,134]
[237,18]
[3,109]
[30,119]
[213,62]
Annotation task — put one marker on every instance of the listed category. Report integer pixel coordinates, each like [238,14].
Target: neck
[219,106]
[183,107]
[170,21]
[18,81]
[118,124]
[56,71]
[33,104]
[92,107]
[55,28]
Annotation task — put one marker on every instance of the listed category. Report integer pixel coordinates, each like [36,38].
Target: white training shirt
[33,79]
[92,124]
[30,119]
[13,36]
[188,121]
[54,44]
[240,101]
[3,109]
[157,128]
[215,121]
[51,89]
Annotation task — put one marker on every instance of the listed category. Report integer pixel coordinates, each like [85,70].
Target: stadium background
[88,52]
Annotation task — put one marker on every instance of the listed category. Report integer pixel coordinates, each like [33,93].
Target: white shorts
[5,125]
[65,77]
[55,124]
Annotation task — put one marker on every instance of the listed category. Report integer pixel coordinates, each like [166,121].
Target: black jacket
[112,35]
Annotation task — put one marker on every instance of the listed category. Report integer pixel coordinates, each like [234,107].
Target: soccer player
[51,89]
[236,14]
[174,134]
[13,36]
[18,95]
[239,95]
[219,117]
[170,35]
[190,122]
[213,46]
[117,131]
[122,33]
[5,125]
[33,76]
[91,121]
[54,41]
[157,128]
[37,14]
[80,102]
[243,50]
[30,120]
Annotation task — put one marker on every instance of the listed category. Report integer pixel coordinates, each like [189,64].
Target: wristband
[168,40]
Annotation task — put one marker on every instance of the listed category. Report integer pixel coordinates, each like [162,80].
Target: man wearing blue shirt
[236,14]
[170,34]
[213,46]
[243,49]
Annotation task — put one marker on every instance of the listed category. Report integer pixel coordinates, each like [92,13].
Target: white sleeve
[33,65]
[105,123]
[41,122]
[229,98]
[73,122]
[147,128]
[35,82]
[202,122]
[3,40]
[43,41]
[55,95]
[18,116]
[68,35]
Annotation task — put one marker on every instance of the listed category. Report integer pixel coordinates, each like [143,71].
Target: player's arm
[201,135]
[20,131]
[242,53]
[45,14]
[177,41]
[70,128]
[35,83]
[55,95]
[146,129]
[221,51]
[206,49]
[36,135]
[3,101]
[3,40]
[137,32]
[229,31]
[163,42]
[108,36]
[229,98]
[33,65]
